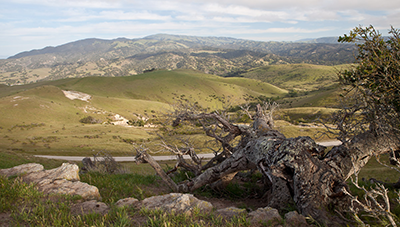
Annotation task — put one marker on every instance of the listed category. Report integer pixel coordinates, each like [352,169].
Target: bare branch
[143,157]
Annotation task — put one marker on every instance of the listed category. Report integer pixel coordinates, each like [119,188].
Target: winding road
[160,158]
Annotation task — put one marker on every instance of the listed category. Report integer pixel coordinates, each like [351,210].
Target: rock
[294,219]
[87,164]
[176,202]
[91,206]
[62,186]
[61,180]
[267,216]
[126,202]
[229,212]
[65,171]
[21,169]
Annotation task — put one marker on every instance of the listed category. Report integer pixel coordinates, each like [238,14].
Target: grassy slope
[40,119]
[302,77]
[164,86]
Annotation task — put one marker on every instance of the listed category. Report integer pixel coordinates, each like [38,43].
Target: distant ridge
[330,40]
[222,56]
[80,45]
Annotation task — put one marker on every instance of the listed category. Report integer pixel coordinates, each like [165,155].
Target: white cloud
[95,4]
[75,15]
[57,21]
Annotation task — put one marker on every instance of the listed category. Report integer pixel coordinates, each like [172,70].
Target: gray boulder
[266,216]
[127,202]
[66,171]
[294,219]
[61,180]
[91,206]
[21,169]
[176,202]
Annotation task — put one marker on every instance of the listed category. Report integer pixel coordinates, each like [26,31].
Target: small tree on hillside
[372,101]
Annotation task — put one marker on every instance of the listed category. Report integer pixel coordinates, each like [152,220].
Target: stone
[61,180]
[63,186]
[127,202]
[66,171]
[294,219]
[230,212]
[87,207]
[87,164]
[176,202]
[266,216]
[22,169]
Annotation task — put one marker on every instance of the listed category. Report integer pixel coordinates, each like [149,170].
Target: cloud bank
[28,24]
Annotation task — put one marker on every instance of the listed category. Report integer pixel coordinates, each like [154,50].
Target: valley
[43,118]
[130,85]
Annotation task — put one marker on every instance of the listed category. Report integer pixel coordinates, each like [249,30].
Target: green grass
[14,158]
[147,95]
[35,209]
[26,206]
[165,86]
[305,114]
[301,77]
[113,187]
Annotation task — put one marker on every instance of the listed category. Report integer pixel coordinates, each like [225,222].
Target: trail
[160,158]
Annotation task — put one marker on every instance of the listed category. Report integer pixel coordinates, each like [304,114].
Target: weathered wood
[297,168]
[144,157]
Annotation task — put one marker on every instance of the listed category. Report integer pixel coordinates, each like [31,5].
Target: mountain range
[122,57]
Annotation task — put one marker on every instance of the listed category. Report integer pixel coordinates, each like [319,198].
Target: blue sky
[35,24]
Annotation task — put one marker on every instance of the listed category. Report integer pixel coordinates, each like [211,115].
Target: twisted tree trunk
[296,167]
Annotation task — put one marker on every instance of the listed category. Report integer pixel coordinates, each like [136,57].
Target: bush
[89,120]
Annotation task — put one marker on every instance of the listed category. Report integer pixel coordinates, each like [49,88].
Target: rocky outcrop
[176,202]
[127,202]
[22,169]
[91,206]
[61,180]
[65,180]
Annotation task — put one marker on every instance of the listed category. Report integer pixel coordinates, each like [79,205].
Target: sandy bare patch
[77,95]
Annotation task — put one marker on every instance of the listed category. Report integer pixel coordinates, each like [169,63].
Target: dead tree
[297,168]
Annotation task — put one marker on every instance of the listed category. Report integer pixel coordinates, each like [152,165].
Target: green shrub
[89,120]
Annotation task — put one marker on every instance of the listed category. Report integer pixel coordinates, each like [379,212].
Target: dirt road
[159,158]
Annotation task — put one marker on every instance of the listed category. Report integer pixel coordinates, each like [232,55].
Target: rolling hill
[127,95]
[299,77]
[124,57]
[39,118]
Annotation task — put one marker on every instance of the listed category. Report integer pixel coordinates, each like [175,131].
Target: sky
[35,24]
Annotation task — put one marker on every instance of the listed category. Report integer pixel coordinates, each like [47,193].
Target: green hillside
[300,77]
[164,86]
[40,119]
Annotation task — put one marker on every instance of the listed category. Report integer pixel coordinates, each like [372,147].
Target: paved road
[158,158]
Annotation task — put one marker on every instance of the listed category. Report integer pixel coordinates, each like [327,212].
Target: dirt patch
[248,204]
[77,95]
[5,219]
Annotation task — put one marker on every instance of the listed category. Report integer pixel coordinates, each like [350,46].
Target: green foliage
[377,73]
[375,80]
[89,120]
[138,122]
